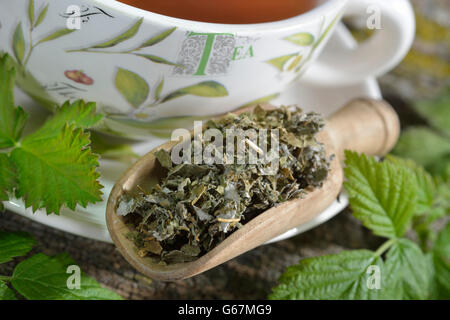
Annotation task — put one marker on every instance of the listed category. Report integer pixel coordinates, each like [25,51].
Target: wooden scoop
[363,125]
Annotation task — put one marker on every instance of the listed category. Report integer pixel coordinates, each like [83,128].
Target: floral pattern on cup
[295,62]
[136,91]
[140,97]
[79,77]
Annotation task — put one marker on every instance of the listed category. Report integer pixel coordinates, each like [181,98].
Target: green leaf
[31,11]
[14,244]
[19,43]
[46,278]
[63,165]
[132,87]
[163,127]
[202,89]
[6,293]
[441,259]
[436,111]
[109,149]
[425,147]
[295,63]
[327,30]
[158,38]
[55,35]
[408,271]
[29,84]
[159,89]
[7,178]
[41,16]
[426,187]
[382,195]
[279,62]
[12,119]
[261,100]
[301,39]
[128,34]
[80,114]
[338,276]
[157,59]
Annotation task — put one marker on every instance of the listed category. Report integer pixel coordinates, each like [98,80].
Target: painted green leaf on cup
[158,38]
[31,11]
[327,30]
[157,59]
[279,62]
[28,83]
[159,90]
[264,99]
[202,89]
[301,39]
[163,127]
[121,38]
[19,43]
[55,35]
[295,62]
[132,87]
[41,16]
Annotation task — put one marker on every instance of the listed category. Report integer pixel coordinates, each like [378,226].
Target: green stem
[95,51]
[385,246]
[30,48]
[5,278]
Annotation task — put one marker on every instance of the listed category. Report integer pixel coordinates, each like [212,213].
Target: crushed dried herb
[196,206]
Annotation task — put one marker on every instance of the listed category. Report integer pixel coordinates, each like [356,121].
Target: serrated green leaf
[128,34]
[279,62]
[132,87]
[158,38]
[45,278]
[7,178]
[6,293]
[202,89]
[157,59]
[427,148]
[41,16]
[158,90]
[426,187]
[14,244]
[19,43]
[12,119]
[301,39]
[382,195]
[408,271]
[436,111]
[31,11]
[78,113]
[55,35]
[63,165]
[441,259]
[338,276]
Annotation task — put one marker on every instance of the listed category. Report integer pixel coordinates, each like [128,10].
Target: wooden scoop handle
[364,125]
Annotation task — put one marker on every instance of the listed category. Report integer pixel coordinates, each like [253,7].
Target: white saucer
[90,222]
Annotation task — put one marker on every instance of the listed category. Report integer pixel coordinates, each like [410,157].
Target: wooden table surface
[251,276]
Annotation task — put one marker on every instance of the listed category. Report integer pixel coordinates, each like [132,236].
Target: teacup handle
[374,57]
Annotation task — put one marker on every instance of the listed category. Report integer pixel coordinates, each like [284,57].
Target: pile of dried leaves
[196,206]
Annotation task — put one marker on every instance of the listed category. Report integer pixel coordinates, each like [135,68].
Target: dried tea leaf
[196,206]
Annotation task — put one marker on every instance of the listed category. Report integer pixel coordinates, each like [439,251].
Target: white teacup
[150,73]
